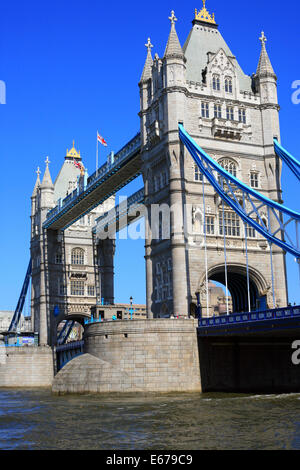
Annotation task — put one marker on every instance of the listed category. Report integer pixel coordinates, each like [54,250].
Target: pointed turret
[47,181]
[37,184]
[264,65]
[147,72]
[173,48]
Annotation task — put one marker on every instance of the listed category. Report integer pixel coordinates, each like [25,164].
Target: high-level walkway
[104,183]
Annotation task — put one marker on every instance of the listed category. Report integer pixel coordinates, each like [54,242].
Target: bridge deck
[103,184]
[283,321]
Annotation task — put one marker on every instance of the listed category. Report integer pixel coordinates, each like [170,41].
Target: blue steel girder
[103,184]
[247,202]
[287,158]
[127,212]
[20,305]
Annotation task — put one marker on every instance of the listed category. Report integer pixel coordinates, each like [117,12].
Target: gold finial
[204,15]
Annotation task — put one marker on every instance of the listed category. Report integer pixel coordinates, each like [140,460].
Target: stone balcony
[227,129]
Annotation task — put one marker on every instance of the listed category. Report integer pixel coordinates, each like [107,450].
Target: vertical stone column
[106,252]
[149,273]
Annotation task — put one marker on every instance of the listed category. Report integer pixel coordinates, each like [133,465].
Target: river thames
[37,420]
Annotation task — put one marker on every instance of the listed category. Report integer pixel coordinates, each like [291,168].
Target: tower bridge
[208,146]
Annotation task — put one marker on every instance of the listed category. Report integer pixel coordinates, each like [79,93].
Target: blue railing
[98,176]
[233,319]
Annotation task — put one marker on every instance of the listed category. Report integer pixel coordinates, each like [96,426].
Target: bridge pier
[105,253]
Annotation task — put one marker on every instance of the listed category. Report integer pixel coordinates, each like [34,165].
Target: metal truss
[272,220]
[18,312]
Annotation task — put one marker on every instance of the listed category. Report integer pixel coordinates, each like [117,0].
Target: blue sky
[73,67]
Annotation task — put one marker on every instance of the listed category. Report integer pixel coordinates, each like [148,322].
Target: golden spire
[204,15]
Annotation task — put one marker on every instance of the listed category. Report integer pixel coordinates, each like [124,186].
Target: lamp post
[131,310]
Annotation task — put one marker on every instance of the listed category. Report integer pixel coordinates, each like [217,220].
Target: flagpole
[97,155]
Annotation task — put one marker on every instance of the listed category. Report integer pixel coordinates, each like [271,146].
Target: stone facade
[234,118]
[140,356]
[26,367]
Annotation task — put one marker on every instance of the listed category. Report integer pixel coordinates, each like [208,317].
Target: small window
[216,83]
[250,231]
[242,116]
[254,179]
[205,110]
[210,225]
[91,291]
[58,257]
[198,174]
[217,111]
[228,85]
[230,113]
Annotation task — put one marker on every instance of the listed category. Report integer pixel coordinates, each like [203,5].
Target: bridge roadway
[104,183]
[280,321]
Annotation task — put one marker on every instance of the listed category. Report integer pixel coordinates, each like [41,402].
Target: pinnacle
[47,181]
[173,48]
[264,64]
[37,184]
[148,64]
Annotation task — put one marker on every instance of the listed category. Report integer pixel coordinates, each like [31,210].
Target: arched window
[228,85]
[228,165]
[77,257]
[216,82]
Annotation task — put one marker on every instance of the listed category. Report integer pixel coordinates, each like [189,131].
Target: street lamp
[131,310]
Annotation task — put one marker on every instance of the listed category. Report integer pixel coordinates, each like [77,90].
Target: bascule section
[234,118]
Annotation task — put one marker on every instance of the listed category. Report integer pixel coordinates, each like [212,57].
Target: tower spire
[264,65]
[37,183]
[149,62]
[47,181]
[173,48]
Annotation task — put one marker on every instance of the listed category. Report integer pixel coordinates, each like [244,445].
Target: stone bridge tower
[234,117]
[70,272]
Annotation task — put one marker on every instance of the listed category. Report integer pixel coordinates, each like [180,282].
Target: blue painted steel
[65,332]
[249,317]
[200,157]
[19,309]
[285,156]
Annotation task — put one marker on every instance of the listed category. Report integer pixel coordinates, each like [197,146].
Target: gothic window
[231,224]
[77,257]
[228,85]
[242,115]
[204,110]
[230,113]
[77,288]
[198,174]
[217,111]
[229,166]
[216,83]
[254,179]
[210,225]
[61,287]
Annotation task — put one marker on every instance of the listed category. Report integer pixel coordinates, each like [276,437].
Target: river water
[36,419]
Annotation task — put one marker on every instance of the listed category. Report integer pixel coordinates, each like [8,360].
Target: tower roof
[148,64]
[173,48]
[47,181]
[264,65]
[205,38]
[38,183]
